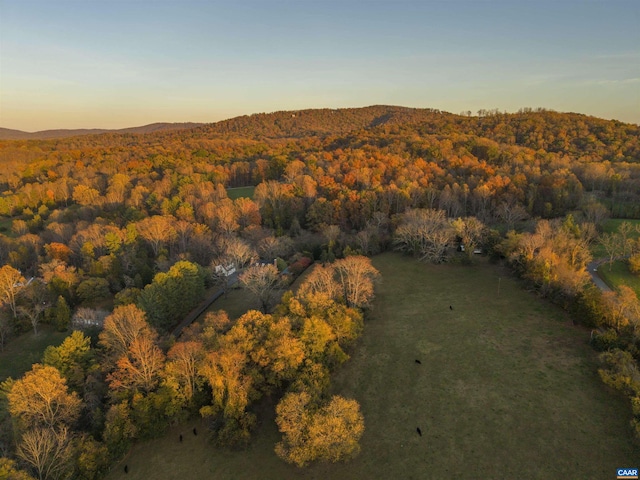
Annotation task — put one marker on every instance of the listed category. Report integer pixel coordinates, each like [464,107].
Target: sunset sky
[114,64]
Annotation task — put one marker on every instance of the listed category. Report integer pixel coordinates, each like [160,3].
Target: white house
[226,271]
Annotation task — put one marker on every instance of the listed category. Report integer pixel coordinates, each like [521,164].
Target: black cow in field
[195,432]
[419,431]
[126,469]
[450,307]
[419,362]
[180,438]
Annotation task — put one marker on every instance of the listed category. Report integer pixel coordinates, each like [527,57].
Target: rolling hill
[9,134]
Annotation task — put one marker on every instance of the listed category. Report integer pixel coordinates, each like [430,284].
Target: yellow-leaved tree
[42,399]
[330,432]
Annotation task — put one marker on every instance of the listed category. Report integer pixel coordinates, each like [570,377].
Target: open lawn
[238,192]
[5,226]
[22,352]
[611,226]
[507,388]
[619,275]
[238,301]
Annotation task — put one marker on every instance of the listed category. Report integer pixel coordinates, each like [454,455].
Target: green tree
[10,471]
[62,314]
[72,358]
[6,327]
[172,295]
[92,460]
[634,264]
[119,429]
[93,289]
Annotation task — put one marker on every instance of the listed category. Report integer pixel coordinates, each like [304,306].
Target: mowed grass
[5,226]
[507,388]
[619,275]
[238,192]
[238,301]
[23,351]
[611,226]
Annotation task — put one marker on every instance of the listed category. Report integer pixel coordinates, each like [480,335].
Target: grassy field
[238,301]
[22,352]
[5,226]
[619,275]
[611,226]
[507,388]
[238,192]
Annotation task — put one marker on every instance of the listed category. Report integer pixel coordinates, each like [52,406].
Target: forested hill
[571,134]
[320,122]
[568,133]
[543,160]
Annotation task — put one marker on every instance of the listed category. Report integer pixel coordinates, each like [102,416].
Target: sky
[116,64]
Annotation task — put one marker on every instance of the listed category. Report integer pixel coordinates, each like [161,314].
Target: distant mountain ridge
[9,134]
[567,133]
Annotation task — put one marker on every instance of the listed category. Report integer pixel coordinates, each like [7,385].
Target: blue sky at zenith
[114,64]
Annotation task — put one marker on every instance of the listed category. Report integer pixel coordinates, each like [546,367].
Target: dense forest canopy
[386,157]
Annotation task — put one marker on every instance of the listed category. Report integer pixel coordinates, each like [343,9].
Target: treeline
[79,410]
[553,259]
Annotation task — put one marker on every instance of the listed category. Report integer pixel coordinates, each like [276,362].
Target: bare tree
[321,280]
[122,327]
[331,233]
[262,281]
[356,275]
[49,451]
[271,247]
[511,212]
[236,251]
[157,231]
[595,213]
[624,230]
[425,233]
[35,294]
[612,243]
[235,254]
[140,368]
